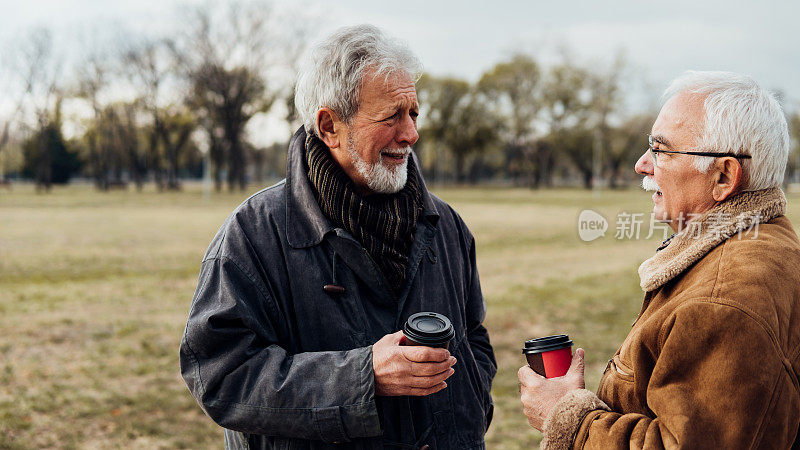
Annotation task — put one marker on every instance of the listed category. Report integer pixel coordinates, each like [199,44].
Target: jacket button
[333,289]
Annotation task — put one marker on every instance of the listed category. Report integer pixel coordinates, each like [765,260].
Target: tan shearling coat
[712,360]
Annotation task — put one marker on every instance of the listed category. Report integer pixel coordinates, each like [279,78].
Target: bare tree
[42,72]
[93,76]
[576,143]
[440,98]
[43,95]
[154,71]
[127,125]
[227,54]
[457,119]
[178,125]
[628,142]
[606,98]
[514,90]
[565,106]
[293,50]
[230,98]
[119,133]
[14,95]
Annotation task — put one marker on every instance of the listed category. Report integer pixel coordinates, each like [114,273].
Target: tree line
[533,125]
[163,109]
[151,109]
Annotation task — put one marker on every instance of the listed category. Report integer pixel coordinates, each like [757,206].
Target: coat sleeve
[718,382]
[240,376]
[477,335]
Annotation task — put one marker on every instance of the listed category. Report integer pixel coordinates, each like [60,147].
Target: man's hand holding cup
[409,370]
[552,371]
[415,361]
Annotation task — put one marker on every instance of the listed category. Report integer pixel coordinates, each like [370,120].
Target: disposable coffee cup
[549,356]
[429,329]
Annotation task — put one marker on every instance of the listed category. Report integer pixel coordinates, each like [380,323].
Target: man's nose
[644,166]
[407,131]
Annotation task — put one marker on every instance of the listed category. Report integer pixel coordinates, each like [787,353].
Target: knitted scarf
[383,223]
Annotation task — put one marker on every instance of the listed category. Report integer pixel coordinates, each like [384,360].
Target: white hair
[335,69]
[741,118]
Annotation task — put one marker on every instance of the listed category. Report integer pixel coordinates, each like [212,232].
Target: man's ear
[728,178]
[328,126]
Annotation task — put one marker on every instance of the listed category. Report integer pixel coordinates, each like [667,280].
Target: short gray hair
[742,118]
[335,69]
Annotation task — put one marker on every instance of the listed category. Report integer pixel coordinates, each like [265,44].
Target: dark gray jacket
[268,353]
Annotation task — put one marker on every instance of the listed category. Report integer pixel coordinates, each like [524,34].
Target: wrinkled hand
[540,394]
[409,370]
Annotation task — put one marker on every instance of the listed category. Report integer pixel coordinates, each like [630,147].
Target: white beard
[649,184]
[380,179]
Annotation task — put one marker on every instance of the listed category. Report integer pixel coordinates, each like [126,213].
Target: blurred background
[129,130]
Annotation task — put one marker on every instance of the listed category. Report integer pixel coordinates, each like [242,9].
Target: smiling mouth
[395,155]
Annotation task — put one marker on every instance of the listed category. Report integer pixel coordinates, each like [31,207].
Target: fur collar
[708,230]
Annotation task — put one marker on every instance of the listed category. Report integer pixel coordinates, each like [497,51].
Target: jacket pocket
[618,387]
[621,370]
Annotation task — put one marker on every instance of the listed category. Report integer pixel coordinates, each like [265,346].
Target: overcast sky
[465,38]
[664,38]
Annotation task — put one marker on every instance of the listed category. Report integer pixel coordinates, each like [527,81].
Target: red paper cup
[549,356]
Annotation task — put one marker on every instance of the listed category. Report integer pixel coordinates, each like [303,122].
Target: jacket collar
[306,225]
[705,232]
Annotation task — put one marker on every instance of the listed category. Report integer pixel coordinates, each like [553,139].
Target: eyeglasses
[654,152]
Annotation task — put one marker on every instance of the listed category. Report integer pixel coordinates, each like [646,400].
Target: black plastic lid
[429,328]
[546,344]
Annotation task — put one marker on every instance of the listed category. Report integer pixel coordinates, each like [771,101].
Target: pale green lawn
[95,288]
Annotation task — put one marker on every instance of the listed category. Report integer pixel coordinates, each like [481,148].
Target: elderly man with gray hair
[293,340]
[712,360]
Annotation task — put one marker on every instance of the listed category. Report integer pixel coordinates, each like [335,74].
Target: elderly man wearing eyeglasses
[712,360]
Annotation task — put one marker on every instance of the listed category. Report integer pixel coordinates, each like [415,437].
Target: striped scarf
[383,223]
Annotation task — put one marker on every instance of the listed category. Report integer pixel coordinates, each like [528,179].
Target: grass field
[95,288]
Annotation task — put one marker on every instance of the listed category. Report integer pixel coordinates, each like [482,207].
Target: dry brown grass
[94,291]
